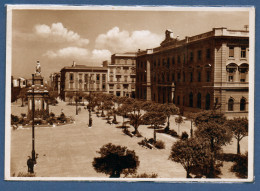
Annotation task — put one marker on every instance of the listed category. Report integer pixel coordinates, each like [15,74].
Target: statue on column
[38,69]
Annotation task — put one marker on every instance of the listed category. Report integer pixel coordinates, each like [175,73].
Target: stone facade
[121,74]
[81,78]
[206,71]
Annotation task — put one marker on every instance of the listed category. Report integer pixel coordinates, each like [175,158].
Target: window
[168,63]
[103,87]
[208,54]
[168,77]
[207,101]
[173,77]
[103,77]
[231,52]
[173,60]
[71,77]
[191,100]
[243,52]
[199,76]
[199,100]
[184,57]
[158,62]
[179,59]
[230,104]
[86,78]
[183,76]
[179,77]
[111,86]
[118,79]
[183,101]
[208,76]
[191,77]
[230,78]
[243,104]
[178,100]
[199,54]
[125,78]
[98,77]
[191,56]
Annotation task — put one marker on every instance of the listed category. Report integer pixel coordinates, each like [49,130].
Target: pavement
[69,150]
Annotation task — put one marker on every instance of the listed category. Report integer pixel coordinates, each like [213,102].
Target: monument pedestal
[40,95]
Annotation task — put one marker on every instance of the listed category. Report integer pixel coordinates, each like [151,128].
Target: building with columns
[121,74]
[202,72]
[82,78]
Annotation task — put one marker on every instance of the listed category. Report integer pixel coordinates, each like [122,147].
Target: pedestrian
[30,165]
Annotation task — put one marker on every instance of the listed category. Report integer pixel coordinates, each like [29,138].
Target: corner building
[82,78]
[122,74]
[202,72]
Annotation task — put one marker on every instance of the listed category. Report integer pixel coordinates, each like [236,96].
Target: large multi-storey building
[121,74]
[206,71]
[81,78]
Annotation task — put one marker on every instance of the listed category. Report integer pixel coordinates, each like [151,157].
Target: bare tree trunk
[238,147]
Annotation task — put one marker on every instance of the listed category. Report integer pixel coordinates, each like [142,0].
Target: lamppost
[76,100]
[33,110]
[90,102]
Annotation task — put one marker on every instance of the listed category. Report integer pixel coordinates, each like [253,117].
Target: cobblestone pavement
[68,150]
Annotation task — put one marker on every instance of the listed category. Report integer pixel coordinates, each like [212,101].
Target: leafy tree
[209,116]
[53,95]
[240,168]
[116,160]
[155,119]
[169,109]
[190,153]
[70,96]
[23,95]
[123,110]
[179,120]
[239,127]
[215,135]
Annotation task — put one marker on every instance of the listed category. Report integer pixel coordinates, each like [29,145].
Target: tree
[53,95]
[23,95]
[190,153]
[209,116]
[116,160]
[123,110]
[136,120]
[169,109]
[179,121]
[70,95]
[239,127]
[155,119]
[215,135]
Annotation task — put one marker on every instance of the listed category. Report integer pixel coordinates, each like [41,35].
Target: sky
[56,38]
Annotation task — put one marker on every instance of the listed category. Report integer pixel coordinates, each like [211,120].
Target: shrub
[127,132]
[159,144]
[173,133]
[145,175]
[14,119]
[184,135]
[240,168]
[22,174]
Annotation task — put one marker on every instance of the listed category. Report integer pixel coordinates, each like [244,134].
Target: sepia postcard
[130,93]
